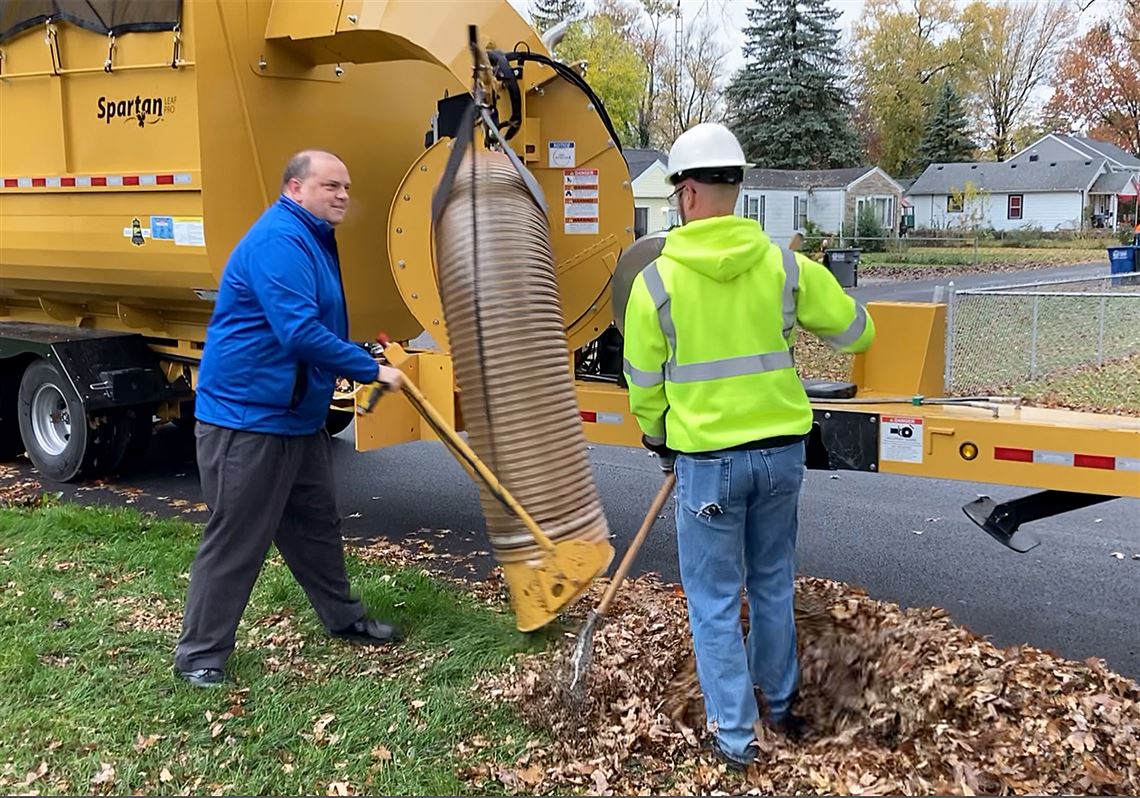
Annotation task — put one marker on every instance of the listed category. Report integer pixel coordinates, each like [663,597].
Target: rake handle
[627,561]
[426,409]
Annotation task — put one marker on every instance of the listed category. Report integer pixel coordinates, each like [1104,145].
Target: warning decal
[900,439]
[580,209]
[188,231]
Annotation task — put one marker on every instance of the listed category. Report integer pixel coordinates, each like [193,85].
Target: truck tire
[134,427]
[58,436]
[337,421]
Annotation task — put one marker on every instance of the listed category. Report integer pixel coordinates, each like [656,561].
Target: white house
[1112,199]
[1047,194]
[783,200]
[647,170]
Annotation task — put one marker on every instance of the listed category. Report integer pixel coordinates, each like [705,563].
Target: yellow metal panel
[946,428]
[394,420]
[612,422]
[908,354]
[302,19]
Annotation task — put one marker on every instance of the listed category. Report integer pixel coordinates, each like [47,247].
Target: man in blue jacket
[274,349]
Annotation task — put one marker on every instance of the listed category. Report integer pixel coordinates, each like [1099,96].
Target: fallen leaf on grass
[106,774]
[320,726]
[530,776]
[382,754]
[32,775]
[418,704]
[142,743]
[165,776]
[339,788]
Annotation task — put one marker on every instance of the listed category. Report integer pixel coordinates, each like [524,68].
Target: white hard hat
[707,146]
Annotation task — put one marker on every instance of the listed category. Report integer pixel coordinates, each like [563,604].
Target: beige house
[647,170]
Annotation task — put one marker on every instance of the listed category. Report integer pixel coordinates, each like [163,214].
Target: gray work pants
[261,489]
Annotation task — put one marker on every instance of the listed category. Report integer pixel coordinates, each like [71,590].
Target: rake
[583,651]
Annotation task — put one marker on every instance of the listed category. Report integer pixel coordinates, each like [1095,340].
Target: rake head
[583,654]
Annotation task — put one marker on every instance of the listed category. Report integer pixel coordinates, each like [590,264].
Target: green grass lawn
[90,607]
[922,257]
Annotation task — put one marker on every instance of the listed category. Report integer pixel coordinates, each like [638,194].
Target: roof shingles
[1008,177]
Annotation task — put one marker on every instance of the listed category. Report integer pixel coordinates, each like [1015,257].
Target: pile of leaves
[898,701]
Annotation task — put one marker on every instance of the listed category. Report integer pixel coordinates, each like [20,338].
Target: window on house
[1013,206]
[954,204]
[640,222]
[799,212]
[754,208]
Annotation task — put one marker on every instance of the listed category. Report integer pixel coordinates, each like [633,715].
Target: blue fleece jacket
[276,341]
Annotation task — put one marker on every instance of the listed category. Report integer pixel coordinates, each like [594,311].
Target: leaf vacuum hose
[512,364]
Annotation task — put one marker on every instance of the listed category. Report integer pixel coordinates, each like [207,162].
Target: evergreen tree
[946,139]
[789,105]
[545,14]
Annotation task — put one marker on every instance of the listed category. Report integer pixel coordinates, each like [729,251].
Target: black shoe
[370,632]
[792,726]
[733,763]
[204,677]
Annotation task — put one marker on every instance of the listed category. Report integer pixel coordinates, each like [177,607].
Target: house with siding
[1048,194]
[647,170]
[783,200]
[1112,200]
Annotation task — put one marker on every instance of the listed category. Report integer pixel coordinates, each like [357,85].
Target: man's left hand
[666,454]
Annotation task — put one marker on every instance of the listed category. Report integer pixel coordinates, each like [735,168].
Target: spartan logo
[144,110]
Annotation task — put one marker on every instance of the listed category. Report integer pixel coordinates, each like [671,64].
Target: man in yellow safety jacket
[708,334]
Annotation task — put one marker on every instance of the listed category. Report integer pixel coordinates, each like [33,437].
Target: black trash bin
[844,264]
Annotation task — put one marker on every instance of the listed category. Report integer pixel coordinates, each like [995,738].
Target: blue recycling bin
[1121,260]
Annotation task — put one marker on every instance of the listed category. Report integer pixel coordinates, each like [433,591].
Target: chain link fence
[1004,338]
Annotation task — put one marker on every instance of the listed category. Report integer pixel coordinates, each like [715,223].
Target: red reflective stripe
[1013,455]
[11,182]
[98,181]
[67,181]
[165,180]
[1095,461]
[130,180]
[39,182]
[589,415]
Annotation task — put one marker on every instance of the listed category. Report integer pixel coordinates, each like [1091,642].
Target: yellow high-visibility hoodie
[708,331]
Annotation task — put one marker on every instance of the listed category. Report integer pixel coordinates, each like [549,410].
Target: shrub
[813,238]
[869,234]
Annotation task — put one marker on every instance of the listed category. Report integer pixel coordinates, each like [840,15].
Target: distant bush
[869,234]
[814,236]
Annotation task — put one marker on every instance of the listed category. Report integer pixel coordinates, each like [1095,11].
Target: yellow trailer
[136,148]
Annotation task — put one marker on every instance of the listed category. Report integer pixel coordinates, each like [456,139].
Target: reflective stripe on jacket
[708,331]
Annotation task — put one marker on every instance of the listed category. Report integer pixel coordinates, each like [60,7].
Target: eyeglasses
[674,199]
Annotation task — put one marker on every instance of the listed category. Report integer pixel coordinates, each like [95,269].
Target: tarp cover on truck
[100,16]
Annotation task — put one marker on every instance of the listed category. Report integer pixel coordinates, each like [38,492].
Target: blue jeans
[737,515]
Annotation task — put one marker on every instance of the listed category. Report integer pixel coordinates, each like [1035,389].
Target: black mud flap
[995,522]
[1003,521]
